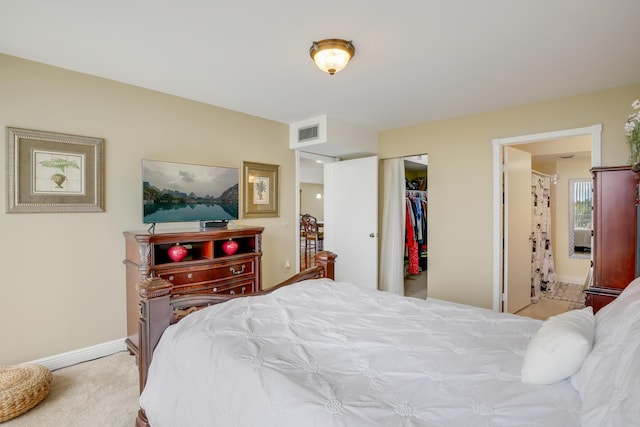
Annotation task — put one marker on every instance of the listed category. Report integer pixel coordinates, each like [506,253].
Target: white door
[517,229]
[351,219]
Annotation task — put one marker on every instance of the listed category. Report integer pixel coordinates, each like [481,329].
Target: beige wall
[571,270]
[309,203]
[460,212]
[62,274]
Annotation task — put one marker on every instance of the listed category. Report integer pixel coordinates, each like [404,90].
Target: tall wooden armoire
[616,221]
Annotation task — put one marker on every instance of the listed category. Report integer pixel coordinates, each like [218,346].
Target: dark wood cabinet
[615,225]
[205,269]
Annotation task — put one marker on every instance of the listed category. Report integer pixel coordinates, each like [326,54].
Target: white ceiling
[415,61]
[575,147]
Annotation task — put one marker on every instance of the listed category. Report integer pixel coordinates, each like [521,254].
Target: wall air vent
[308,133]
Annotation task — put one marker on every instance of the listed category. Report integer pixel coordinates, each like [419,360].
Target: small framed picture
[260,190]
[54,172]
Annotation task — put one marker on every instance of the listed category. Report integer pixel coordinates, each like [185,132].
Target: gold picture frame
[54,172]
[260,195]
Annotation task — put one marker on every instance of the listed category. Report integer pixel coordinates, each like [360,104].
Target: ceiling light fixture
[332,55]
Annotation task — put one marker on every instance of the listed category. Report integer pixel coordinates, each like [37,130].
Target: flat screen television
[179,192]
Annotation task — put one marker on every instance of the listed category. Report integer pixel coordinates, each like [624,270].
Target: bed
[323,353]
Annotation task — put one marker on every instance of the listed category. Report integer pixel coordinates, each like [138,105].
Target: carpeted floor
[102,392]
[416,285]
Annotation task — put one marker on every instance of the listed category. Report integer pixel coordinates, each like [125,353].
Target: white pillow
[559,347]
[609,317]
[609,380]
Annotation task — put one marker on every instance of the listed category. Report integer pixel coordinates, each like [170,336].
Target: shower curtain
[543,274]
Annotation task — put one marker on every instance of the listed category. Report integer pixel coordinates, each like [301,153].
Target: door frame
[595,131]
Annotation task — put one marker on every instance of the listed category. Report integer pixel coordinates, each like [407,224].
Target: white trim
[296,219]
[81,355]
[498,296]
[498,143]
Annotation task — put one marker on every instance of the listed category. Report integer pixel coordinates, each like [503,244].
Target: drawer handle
[190,275]
[234,271]
[170,278]
[232,293]
[244,288]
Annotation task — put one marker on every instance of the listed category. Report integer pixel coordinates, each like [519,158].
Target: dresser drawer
[222,271]
[229,287]
[246,287]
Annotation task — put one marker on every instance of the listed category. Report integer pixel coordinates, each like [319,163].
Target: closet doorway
[416,247]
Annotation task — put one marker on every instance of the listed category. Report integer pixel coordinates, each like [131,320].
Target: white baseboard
[74,357]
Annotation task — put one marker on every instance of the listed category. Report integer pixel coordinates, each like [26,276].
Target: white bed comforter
[323,354]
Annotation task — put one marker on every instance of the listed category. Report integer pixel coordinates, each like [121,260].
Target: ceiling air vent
[308,133]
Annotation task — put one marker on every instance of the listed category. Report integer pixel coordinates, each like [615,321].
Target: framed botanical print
[54,172]
[260,190]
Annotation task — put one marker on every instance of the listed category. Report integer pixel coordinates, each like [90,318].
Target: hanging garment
[417,209]
[416,232]
[412,243]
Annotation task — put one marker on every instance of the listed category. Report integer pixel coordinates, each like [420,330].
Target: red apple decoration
[177,252]
[230,247]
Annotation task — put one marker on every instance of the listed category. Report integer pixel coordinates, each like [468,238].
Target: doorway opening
[311,198]
[350,210]
[502,255]
[416,246]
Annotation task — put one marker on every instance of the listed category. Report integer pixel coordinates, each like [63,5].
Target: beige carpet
[102,392]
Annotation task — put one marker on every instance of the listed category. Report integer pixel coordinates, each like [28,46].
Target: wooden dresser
[206,268]
[616,250]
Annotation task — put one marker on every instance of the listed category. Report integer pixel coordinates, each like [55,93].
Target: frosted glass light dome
[332,55]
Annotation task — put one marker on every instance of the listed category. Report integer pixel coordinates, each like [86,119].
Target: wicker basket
[21,388]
